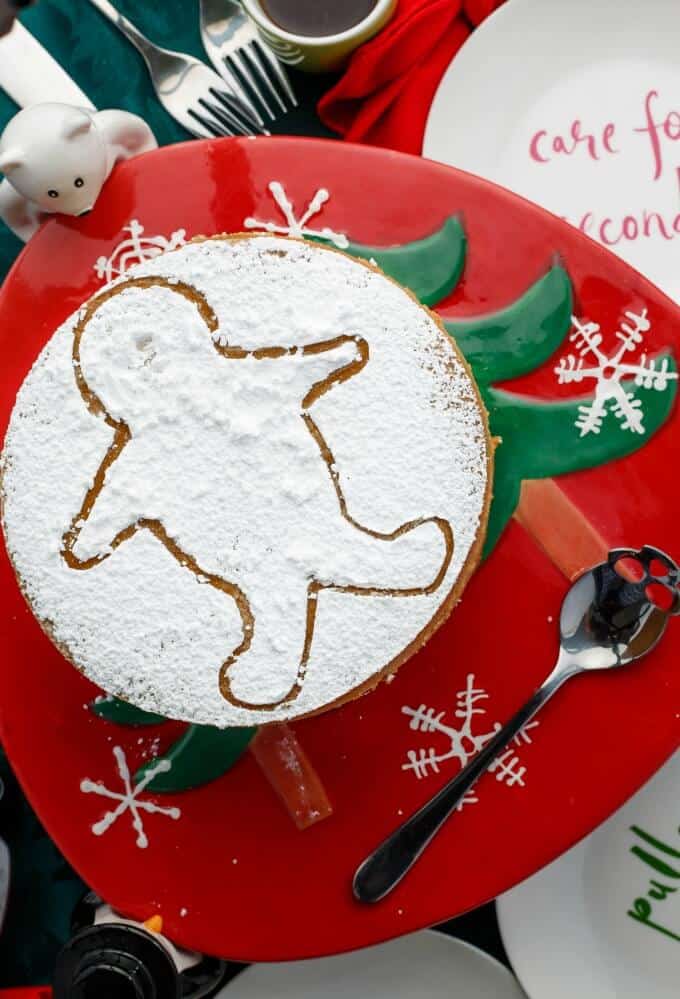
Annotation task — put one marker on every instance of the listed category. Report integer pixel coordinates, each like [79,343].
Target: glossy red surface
[249,885]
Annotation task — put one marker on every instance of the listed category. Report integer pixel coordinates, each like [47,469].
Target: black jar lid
[115,961]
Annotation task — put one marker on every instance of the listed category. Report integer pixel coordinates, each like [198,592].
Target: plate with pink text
[580,105]
[615,933]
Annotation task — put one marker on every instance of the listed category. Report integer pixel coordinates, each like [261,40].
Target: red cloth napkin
[386,92]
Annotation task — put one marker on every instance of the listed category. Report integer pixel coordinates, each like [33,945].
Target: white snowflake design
[607,372]
[294,226]
[135,249]
[129,800]
[463,743]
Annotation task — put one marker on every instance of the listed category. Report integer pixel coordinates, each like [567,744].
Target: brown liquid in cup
[316,18]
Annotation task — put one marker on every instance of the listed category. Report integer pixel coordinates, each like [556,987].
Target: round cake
[245,481]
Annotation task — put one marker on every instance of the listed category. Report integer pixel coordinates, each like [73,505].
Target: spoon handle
[388,864]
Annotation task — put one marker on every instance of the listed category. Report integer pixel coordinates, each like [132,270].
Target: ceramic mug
[319,54]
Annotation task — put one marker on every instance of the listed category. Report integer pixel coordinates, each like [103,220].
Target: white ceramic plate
[603,921]
[425,965]
[508,104]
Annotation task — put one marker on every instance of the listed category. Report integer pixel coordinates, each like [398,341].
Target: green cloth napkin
[43,893]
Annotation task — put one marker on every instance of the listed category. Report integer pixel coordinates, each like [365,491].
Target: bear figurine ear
[76,123]
[10,159]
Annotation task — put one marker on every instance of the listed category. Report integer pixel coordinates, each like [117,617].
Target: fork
[189,90]
[243,59]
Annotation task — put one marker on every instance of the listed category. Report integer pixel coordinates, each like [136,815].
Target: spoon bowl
[614,614]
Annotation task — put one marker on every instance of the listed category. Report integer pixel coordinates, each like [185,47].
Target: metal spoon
[608,619]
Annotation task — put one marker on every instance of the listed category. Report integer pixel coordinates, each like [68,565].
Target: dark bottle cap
[115,961]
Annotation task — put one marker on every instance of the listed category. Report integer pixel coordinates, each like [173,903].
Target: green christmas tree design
[539,439]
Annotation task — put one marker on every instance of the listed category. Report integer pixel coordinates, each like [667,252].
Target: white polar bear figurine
[56,157]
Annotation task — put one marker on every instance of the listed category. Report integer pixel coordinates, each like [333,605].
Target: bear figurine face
[54,156]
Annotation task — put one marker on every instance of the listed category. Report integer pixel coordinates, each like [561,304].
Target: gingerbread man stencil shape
[200,430]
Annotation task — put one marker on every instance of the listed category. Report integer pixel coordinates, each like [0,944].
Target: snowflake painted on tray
[463,742]
[294,226]
[129,800]
[608,373]
[135,249]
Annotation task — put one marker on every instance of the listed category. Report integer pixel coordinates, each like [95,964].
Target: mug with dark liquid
[317,18]
[317,35]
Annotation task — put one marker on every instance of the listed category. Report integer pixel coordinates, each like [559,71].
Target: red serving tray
[233,876]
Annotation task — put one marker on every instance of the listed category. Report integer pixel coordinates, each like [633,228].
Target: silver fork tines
[243,59]
[221,113]
[200,100]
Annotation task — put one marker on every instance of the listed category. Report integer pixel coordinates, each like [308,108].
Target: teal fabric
[43,893]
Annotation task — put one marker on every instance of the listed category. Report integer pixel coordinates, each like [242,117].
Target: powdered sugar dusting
[220,456]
